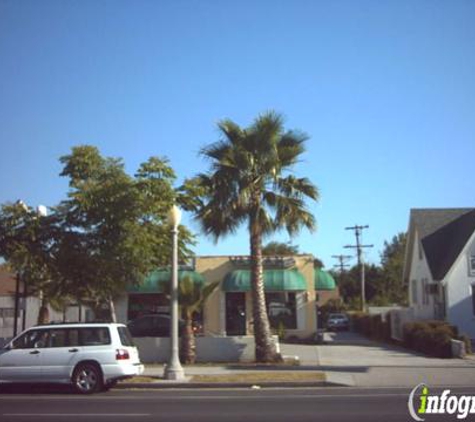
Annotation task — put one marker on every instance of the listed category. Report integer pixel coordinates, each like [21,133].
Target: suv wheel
[87,378]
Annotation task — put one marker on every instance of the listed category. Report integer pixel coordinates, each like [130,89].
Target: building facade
[440,266]
[289,284]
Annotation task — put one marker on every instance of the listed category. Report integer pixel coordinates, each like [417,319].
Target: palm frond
[290,147]
[300,187]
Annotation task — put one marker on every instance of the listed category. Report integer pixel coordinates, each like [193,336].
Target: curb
[223,385]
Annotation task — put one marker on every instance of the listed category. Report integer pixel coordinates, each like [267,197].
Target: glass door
[235,314]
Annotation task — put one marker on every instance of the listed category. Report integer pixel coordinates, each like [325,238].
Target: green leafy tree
[318,263]
[349,285]
[115,224]
[278,248]
[249,183]
[111,231]
[392,261]
[383,282]
[28,243]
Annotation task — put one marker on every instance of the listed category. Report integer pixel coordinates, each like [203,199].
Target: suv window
[125,337]
[63,337]
[57,338]
[94,336]
[31,339]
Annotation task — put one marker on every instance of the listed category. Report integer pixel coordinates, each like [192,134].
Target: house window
[414,291]
[473,299]
[425,292]
[281,308]
[471,265]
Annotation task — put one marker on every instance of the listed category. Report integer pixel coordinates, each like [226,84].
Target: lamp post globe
[42,210]
[174,217]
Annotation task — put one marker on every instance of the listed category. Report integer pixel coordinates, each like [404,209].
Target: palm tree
[249,182]
[191,298]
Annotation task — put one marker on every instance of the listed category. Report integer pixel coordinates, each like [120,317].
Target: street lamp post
[174,370]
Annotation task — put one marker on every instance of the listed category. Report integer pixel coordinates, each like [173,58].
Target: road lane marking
[88,415]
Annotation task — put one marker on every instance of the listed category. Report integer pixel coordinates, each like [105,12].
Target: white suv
[90,356]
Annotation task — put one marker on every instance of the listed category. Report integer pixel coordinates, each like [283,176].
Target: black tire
[87,378]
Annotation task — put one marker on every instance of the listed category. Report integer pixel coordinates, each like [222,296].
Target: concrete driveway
[350,359]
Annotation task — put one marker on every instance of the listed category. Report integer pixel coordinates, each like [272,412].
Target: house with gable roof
[440,266]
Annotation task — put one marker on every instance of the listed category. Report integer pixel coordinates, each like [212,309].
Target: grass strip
[262,377]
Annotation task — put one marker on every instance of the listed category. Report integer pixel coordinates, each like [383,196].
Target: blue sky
[384,89]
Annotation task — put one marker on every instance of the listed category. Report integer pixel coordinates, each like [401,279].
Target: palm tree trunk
[113,314]
[188,342]
[265,347]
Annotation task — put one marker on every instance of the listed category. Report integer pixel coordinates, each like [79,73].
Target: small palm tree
[248,182]
[191,297]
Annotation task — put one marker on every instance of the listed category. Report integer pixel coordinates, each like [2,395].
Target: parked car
[338,322]
[90,356]
[152,325]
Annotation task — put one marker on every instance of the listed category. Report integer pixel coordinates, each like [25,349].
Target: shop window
[145,304]
[281,308]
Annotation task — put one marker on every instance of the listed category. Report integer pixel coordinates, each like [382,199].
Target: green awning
[274,280]
[324,280]
[154,281]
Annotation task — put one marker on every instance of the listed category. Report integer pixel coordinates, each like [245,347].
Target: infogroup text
[422,403]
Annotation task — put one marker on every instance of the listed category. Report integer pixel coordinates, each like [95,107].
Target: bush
[430,337]
[372,326]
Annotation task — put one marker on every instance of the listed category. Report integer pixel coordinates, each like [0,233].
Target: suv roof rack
[97,321]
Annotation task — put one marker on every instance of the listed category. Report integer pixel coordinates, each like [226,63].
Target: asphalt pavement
[318,404]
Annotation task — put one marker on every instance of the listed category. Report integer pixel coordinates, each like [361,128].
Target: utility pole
[341,262]
[359,254]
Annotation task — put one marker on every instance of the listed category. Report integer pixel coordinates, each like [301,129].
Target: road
[243,405]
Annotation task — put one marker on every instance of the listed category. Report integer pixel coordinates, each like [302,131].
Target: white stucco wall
[459,292]
[418,272]
[208,349]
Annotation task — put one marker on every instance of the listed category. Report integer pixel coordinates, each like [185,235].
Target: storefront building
[289,284]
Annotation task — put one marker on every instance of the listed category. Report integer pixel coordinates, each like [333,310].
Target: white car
[338,322]
[90,356]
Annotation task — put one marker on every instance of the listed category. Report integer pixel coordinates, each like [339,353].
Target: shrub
[371,326]
[429,337]
[281,330]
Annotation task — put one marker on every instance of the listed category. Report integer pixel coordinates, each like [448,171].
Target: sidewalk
[345,360]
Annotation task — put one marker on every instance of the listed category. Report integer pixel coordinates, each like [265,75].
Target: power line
[341,261]
[359,254]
